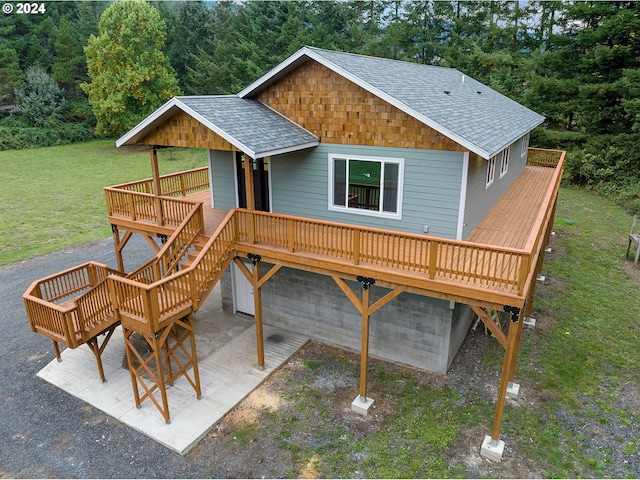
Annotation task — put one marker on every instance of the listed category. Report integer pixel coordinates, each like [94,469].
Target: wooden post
[117,247]
[364,354]
[248,182]
[519,327]
[157,187]
[257,302]
[510,358]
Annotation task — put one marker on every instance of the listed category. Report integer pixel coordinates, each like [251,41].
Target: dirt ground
[271,433]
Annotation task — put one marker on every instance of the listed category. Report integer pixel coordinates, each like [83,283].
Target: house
[373,204]
[365,141]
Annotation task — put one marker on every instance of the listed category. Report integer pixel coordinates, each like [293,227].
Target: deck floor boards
[510,221]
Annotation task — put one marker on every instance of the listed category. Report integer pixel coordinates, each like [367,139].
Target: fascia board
[280,151]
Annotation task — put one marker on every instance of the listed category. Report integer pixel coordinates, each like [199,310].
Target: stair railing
[166,262]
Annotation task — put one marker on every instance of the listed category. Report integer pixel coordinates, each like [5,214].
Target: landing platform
[227,355]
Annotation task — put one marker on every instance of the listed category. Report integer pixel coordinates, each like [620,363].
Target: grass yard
[53,197]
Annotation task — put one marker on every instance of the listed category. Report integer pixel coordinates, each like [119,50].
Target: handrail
[149,305]
[174,184]
[136,206]
[167,259]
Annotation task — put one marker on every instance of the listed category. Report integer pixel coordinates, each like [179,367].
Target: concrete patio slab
[227,356]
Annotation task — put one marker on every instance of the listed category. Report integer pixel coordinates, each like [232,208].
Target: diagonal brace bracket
[254,257]
[366,281]
[514,311]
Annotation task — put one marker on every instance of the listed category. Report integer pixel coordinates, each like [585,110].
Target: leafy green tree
[130,74]
[41,102]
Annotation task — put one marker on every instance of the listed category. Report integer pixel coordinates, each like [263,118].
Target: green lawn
[53,197]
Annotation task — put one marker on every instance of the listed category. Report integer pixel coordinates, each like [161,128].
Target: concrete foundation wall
[410,329]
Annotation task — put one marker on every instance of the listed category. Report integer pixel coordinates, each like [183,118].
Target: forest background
[577,63]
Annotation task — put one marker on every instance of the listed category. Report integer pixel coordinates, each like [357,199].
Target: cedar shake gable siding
[182,130]
[339,111]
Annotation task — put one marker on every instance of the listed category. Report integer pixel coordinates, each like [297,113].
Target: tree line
[576,62]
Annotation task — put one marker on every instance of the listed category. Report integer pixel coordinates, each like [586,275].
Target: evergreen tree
[69,59]
[130,75]
[11,76]
[41,102]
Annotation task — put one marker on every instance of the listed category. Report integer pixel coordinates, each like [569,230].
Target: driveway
[45,432]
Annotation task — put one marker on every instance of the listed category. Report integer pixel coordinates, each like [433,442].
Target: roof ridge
[362,55]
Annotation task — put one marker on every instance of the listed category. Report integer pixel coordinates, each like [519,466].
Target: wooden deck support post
[256,282]
[248,182]
[257,302]
[508,366]
[118,246]
[157,186]
[364,352]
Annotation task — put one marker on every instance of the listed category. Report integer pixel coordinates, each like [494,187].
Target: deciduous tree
[130,74]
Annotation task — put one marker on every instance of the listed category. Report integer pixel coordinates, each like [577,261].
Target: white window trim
[491,171]
[525,145]
[504,162]
[358,211]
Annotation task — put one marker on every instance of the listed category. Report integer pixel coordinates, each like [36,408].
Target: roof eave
[512,140]
[288,149]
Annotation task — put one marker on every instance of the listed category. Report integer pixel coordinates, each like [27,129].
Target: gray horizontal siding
[431,188]
[480,199]
[223,178]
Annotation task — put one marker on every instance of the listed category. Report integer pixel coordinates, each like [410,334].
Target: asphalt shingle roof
[248,124]
[252,124]
[458,106]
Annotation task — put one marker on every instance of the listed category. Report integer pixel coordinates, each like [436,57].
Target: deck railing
[541,157]
[160,290]
[146,207]
[68,306]
[172,185]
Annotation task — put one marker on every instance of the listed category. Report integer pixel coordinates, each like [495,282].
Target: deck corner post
[364,354]
[257,299]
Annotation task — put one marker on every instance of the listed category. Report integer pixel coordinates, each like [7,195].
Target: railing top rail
[123,186]
[48,278]
[382,231]
[552,190]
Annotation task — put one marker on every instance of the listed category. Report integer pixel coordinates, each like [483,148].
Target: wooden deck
[495,268]
[511,221]
[212,216]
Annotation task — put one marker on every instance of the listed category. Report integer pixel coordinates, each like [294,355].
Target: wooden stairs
[157,302]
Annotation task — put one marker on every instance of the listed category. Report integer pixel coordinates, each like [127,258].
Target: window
[366,185]
[525,145]
[491,170]
[504,164]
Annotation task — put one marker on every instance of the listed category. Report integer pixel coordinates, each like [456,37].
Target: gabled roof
[461,108]
[249,125]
